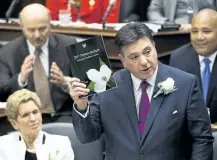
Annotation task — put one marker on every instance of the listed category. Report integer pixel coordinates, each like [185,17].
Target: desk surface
[165,42]
[84,30]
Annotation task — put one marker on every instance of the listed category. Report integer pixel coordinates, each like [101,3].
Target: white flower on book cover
[100,79]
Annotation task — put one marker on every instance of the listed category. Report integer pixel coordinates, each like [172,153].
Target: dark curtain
[4,5]
[142,8]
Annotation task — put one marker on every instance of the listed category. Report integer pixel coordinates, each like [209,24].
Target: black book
[89,62]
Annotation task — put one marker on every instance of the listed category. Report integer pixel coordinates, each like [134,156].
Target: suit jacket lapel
[155,102]
[195,6]
[19,147]
[172,5]
[52,49]
[212,83]
[20,150]
[193,65]
[126,86]
[24,52]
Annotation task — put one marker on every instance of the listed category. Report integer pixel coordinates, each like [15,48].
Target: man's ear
[14,124]
[153,43]
[121,57]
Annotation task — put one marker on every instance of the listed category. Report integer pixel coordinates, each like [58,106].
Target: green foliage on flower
[101,79]
[111,83]
[101,62]
[91,86]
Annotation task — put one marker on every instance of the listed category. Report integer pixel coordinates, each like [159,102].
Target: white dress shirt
[137,91]
[202,64]
[44,57]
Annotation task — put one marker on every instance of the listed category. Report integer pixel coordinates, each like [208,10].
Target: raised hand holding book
[89,62]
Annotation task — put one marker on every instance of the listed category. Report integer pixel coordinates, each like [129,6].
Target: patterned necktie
[205,77]
[143,107]
[41,83]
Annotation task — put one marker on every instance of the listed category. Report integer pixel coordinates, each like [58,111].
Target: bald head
[204,32]
[34,11]
[35,23]
[206,14]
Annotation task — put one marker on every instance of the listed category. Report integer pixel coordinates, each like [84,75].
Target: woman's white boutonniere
[166,87]
[53,155]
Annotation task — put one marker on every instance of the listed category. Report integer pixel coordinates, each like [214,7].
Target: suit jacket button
[141,156]
[79,122]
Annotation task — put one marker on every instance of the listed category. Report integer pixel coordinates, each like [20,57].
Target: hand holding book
[78,91]
[90,64]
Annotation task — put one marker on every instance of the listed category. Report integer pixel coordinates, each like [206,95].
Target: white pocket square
[174,112]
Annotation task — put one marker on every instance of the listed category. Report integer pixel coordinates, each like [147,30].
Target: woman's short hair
[17,98]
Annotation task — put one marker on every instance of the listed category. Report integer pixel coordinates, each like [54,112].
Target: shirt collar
[43,48]
[151,81]
[211,57]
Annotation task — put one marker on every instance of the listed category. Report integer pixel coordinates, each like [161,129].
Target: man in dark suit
[156,113]
[17,60]
[191,57]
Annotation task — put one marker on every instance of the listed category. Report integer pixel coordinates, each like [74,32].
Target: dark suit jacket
[12,56]
[177,127]
[186,59]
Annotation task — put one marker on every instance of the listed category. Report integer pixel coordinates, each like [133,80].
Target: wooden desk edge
[84,30]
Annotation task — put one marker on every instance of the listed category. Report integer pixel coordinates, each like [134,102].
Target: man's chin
[38,44]
[203,53]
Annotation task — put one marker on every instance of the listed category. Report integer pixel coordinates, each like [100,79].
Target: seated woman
[92,11]
[30,142]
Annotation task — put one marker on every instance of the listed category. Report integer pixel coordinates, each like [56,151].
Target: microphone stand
[112,3]
[10,9]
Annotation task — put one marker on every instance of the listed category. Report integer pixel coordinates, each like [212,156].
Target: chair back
[215,145]
[89,151]
[127,11]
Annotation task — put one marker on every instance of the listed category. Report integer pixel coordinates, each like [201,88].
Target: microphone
[108,10]
[10,9]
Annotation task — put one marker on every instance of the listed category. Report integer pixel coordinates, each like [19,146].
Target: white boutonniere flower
[166,87]
[53,155]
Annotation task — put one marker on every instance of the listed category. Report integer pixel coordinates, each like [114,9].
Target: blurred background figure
[122,11]
[30,142]
[91,11]
[176,11]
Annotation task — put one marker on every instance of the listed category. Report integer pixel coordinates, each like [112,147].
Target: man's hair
[130,33]
[16,99]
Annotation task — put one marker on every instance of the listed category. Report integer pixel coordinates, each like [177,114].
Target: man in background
[199,57]
[176,11]
[37,61]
